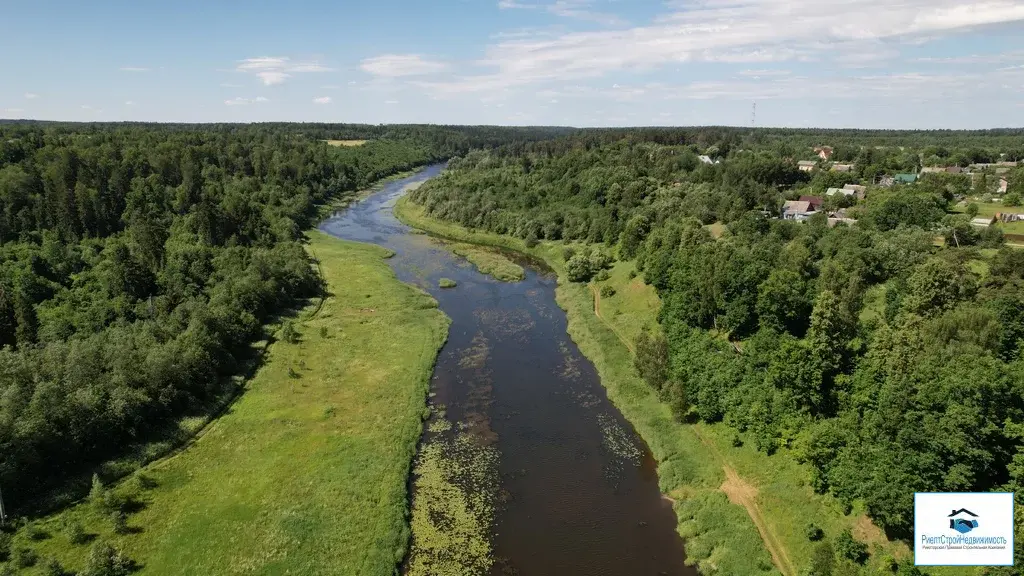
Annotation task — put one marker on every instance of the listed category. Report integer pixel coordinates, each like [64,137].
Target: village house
[1006,217]
[815,202]
[933,169]
[860,191]
[982,222]
[707,159]
[842,167]
[905,178]
[797,210]
[1004,185]
[843,191]
[806,165]
[824,152]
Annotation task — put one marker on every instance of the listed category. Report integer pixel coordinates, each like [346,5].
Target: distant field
[346,142]
[989,209]
[306,473]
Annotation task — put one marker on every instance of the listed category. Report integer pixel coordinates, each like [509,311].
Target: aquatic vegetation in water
[453,509]
[617,441]
[447,283]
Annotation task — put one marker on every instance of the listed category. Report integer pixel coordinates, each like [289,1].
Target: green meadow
[306,473]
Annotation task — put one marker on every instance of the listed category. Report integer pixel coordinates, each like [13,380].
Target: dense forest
[138,262]
[885,359]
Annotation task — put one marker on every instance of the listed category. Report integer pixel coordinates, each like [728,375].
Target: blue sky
[843,63]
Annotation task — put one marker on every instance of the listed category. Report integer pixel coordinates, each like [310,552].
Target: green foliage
[288,332]
[814,533]
[53,567]
[34,532]
[119,523]
[937,285]
[823,561]
[6,542]
[601,276]
[972,209]
[76,533]
[578,269]
[447,283]
[607,291]
[1011,199]
[105,560]
[848,547]
[651,359]
[24,557]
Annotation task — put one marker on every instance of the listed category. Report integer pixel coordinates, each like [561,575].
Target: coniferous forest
[138,262]
[885,354]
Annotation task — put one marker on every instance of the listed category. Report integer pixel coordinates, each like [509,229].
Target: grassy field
[740,511]
[346,142]
[989,209]
[306,472]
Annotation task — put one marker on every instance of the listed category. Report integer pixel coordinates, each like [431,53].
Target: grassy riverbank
[306,473]
[740,511]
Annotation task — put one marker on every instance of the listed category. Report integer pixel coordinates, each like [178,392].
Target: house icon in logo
[963,520]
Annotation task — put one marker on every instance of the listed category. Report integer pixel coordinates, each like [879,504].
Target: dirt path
[597,312]
[741,492]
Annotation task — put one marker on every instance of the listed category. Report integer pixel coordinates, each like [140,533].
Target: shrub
[607,291]
[1011,199]
[447,283]
[822,560]
[814,533]
[97,492]
[52,567]
[25,557]
[632,274]
[972,209]
[105,560]
[120,522]
[323,332]
[76,533]
[847,547]
[34,532]
[531,240]
[602,276]
[289,333]
[599,259]
[737,441]
[7,570]
[568,252]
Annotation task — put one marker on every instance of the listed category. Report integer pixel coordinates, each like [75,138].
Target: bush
[737,441]
[289,333]
[1011,199]
[25,557]
[105,560]
[632,274]
[323,332]
[607,291]
[34,532]
[52,567]
[814,533]
[120,523]
[972,209]
[822,560]
[568,252]
[98,491]
[847,547]
[7,570]
[447,283]
[76,533]
[599,259]
[531,240]
[602,276]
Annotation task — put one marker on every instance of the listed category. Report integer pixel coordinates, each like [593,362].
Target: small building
[933,169]
[797,210]
[1004,185]
[954,170]
[981,222]
[707,159]
[859,191]
[842,167]
[905,178]
[806,165]
[843,191]
[824,152]
[814,202]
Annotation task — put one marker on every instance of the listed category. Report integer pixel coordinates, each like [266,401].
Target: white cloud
[578,9]
[391,101]
[31,96]
[239,101]
[13,110]
[129,103]
[133,69]
[86,107]
[850,32]
[765,73]
[322,100]
[273,70]
[397,65]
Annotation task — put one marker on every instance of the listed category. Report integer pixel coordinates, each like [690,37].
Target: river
[577,489]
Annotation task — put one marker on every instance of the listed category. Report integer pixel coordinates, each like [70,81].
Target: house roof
[796,206]
[932,169]
[905,177]
[814,201]
[843,191]
[807,163]
[842,167]
[855,187]
[981,221]
[954,169]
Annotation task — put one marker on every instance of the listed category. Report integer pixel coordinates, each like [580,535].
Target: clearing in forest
[346,142]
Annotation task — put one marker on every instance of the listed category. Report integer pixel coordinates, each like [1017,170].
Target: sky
[796,63]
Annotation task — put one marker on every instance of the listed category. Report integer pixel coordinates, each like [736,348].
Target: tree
[578,268]
[938,284]
[651,360]
[829,332]
[848,547]
[972,209]
[782,304]
[1011,199]
[822,560]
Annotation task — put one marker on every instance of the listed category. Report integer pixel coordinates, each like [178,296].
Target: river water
[577,488]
